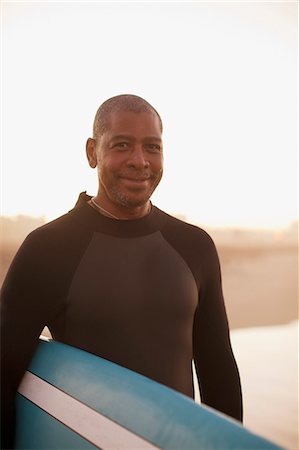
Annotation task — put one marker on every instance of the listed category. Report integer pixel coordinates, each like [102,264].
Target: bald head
[126,102]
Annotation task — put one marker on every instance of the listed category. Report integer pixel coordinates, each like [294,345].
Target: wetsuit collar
[127,228]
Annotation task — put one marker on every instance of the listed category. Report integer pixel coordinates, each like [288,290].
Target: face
[129,159]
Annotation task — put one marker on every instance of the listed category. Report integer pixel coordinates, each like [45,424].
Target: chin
[130,198]
[132,201]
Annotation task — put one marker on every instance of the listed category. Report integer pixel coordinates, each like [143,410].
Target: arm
[217,372]
[23,316]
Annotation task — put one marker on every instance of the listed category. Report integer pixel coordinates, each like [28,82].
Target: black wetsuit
[143,293]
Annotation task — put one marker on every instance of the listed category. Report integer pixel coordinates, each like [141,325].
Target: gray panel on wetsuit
[133,300]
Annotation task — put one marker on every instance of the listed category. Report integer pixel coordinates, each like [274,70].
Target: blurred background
[223,76]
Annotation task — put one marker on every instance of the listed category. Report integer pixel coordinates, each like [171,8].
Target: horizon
[289,227]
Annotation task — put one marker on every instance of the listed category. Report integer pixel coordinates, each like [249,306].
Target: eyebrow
[128,136]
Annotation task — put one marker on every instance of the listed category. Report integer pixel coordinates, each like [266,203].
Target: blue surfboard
[71,399]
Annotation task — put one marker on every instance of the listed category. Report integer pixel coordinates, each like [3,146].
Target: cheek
[108,165]
[157,164]
[103,171]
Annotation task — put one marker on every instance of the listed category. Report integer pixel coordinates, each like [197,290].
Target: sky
[223,76]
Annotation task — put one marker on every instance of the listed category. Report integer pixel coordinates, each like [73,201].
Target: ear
[91,152]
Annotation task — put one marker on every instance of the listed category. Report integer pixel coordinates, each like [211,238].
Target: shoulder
[44,234]
[60,228]
[188,232]
[50,239]
[194,244]
[66,226]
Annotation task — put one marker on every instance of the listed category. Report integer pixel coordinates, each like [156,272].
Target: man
[121,279]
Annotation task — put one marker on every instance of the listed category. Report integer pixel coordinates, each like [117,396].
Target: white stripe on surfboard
[82,419]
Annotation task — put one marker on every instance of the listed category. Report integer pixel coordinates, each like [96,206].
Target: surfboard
[71,399]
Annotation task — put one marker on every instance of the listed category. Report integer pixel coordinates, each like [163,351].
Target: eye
[153,147]
[121,145]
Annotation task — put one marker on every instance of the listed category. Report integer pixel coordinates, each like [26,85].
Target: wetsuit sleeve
[24,312]
[216,368]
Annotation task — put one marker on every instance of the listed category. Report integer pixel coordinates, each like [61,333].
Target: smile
[135,182]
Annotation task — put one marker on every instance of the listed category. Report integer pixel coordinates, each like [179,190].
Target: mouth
[135,176]
[136,181]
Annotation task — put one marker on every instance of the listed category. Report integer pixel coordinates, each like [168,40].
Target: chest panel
[126,277]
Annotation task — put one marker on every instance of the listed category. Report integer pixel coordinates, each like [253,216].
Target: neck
[126,214]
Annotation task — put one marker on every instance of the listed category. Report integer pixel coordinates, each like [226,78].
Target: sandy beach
[260,284]
[267,358]
[268,362]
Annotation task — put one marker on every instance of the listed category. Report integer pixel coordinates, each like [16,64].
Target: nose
[138,158]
